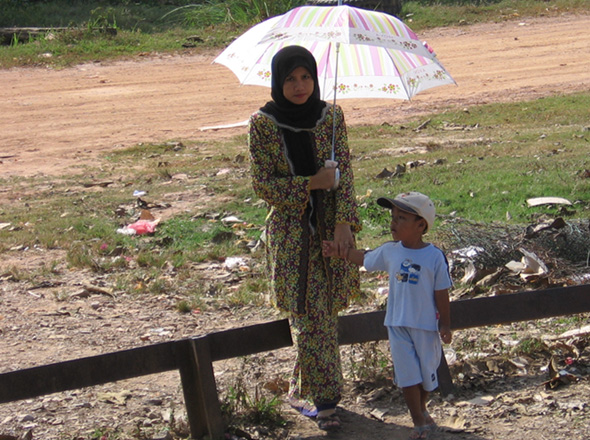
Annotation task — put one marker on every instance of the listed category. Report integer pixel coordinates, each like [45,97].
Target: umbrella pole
[332,162]
[335,91]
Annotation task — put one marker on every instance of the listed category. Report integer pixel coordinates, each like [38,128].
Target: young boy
[418,302]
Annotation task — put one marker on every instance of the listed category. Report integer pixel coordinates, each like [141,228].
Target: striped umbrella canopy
[360,53]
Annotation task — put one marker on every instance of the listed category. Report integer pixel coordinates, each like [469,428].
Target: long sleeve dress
[310,288]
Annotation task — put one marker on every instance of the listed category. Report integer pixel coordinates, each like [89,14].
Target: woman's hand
[343,239]
[323,179]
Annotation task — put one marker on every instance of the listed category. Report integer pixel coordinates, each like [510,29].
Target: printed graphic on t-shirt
[408,273]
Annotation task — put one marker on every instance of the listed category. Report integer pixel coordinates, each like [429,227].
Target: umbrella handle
[334,164]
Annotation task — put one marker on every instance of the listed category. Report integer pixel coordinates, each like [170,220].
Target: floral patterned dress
[310,288]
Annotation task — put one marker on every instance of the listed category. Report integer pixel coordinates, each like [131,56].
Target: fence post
[445,380]
[200,392]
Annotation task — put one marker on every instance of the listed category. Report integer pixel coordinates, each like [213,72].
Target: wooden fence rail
[194,357]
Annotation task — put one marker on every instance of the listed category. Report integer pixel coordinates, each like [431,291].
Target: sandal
[419,432]
[329,423]
[304,408]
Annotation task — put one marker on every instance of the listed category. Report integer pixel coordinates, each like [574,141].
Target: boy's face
[406,226]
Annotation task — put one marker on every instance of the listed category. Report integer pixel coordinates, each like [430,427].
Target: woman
[290,138]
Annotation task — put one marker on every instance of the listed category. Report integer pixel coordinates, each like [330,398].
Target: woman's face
[298,86]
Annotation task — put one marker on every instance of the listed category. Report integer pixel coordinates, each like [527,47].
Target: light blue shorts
[416,356]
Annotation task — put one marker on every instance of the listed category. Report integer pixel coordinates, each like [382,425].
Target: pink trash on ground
[144,226]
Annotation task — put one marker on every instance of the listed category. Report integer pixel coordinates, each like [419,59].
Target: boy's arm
[441,298]
[356,256]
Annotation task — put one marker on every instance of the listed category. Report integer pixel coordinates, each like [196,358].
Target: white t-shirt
[414,275]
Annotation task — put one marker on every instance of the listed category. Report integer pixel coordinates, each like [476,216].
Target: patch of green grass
[244,12]
[569,321]
[530,346]
[183,26]
[251,292]
[74,215]
[146,16]
[481,164]
[98,30]
[105,434]
[185,306]
[370,362]
[70,47]
[246,402]
[426,14]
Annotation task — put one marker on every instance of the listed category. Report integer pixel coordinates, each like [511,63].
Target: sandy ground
[54,119]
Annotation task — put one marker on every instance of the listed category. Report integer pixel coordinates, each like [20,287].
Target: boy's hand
[445,334]
[329,249]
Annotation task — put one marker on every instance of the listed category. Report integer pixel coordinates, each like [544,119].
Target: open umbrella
[360,53]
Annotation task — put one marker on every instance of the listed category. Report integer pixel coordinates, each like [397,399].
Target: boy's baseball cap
[414,203]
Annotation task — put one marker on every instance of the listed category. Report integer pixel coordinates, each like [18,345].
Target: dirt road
[52,120]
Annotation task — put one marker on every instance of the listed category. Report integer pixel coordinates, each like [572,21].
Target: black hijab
[304,116]
[296,121]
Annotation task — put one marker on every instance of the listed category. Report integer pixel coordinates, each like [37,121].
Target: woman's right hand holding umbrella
[323,179]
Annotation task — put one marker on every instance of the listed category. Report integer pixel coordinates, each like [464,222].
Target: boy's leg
[413,395]
[428,420]
[423,399]
[415,366]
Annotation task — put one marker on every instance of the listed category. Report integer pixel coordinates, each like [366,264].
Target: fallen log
[12,35]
